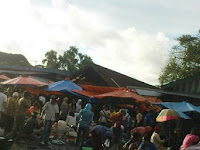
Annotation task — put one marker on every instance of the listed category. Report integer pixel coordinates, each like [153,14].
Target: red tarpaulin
[4,77]
[91,90]
[122,93]
[24,80]
[102,92]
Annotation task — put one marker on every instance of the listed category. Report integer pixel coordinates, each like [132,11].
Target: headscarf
[78,105]
[88,107]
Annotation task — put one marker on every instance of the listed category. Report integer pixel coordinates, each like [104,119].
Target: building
[97,75]
[42,74]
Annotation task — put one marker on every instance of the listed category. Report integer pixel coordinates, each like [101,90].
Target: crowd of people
[100,126]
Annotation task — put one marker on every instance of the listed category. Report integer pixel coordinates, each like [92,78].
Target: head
[88,107]
[66,99]
[15,95]
[27,95]
[122,111]
[79,101]
[146,140]
[148,128]
[53,99]
[156,129]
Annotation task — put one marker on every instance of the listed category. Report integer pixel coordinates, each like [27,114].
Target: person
[11,110]
[190,139]
[117,136]
[126,122]
[118,117]
[3,103]
[141,130]
[104,116]
[31,124]
[72,107]
[146,144]
[139,118]
[84,120]
[64,110]
[156,140]
[148,119]
[51,111]
[133,143]
[78,105]
[22,105]
[99,135]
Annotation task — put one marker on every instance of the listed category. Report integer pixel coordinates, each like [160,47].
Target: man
[99,135]
[19,120]
[3,101]
[51,111]
[31,124]
[146,144]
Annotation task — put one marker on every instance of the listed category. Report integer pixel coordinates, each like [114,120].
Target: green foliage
[184,59]
[13,59]
[51,60]
[71,60]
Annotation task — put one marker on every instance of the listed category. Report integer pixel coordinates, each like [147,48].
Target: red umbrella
[4,77]
[24,80]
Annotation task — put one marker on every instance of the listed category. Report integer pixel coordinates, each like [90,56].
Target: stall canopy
[122,93]
[91,90]
[4,77]
[179,106]
[24,80]
[63,86]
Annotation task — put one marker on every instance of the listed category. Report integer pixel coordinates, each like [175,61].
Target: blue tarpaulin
[63,86]
[179,106]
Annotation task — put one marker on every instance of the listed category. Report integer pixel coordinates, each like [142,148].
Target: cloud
[33,29]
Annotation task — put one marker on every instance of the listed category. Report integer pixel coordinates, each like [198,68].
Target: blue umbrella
[63,86]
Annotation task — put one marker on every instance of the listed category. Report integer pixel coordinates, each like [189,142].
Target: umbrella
[63,86]
[4,77]
[24,80]
[167,114]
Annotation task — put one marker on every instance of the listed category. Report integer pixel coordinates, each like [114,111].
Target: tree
[73,61]
[13,59]
[184,59]
[51,60]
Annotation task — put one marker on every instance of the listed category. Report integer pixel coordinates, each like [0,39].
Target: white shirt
[104,113]
[71,120]
[50,111]
[3,98]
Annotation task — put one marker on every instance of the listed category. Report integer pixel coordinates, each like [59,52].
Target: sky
[133,37]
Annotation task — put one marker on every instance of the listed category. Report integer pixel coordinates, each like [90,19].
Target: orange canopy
[4,77]
[122,93]
[24,80]
[91,90]
[102,92]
